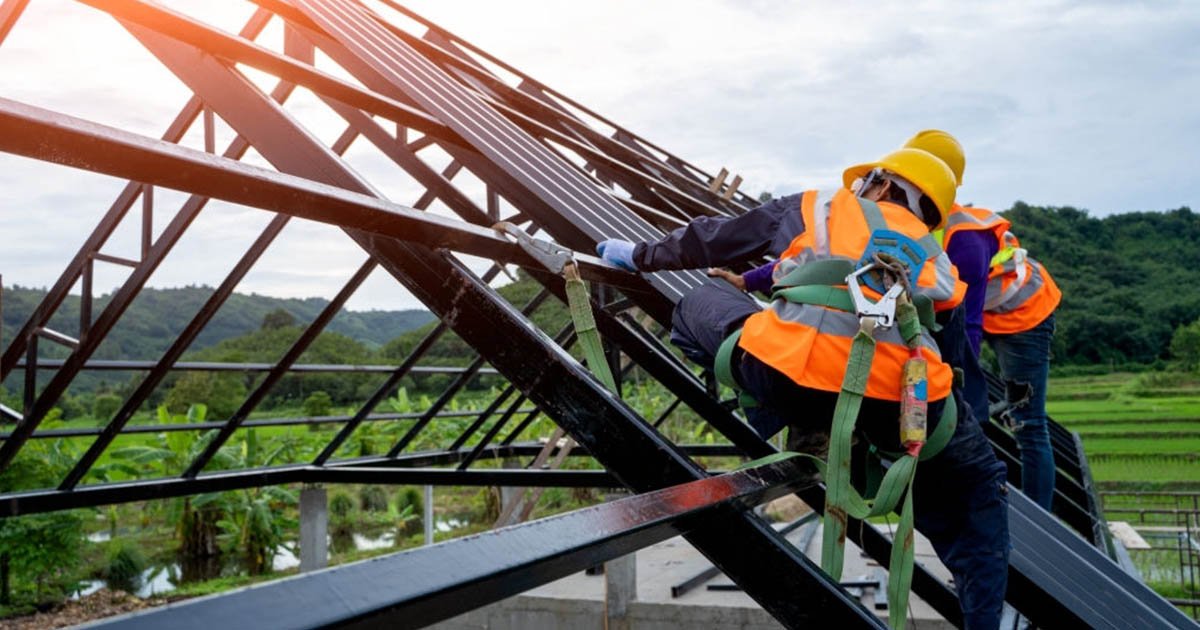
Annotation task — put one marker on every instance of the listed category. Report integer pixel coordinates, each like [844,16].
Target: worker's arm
[760,279]
[719,241]
[971,252]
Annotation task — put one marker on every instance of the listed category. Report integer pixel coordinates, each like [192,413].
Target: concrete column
[314,529]
[620,588]
[508,494]
[428,516]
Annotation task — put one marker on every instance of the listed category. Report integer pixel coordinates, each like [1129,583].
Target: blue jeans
[959,497]
[1025,364]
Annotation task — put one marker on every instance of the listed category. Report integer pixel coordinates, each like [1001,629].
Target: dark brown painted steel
[123,365]
[45,135]
[293,353]
[591,213]
[413,589]
[534,86]
[236,150]
[238,49]
[54,297]
[10,12]
[639,457]
[151,381]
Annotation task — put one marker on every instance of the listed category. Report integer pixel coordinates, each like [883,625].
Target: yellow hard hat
[921,168]
[943,145]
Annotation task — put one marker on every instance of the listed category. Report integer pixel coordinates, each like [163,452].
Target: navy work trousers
[960,497]
[1024,359]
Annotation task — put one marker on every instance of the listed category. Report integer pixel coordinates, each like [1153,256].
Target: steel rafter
[563,386]
[522,143]
[412,589]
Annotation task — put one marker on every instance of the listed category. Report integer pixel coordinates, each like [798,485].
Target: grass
[1150,446]
[1126,408]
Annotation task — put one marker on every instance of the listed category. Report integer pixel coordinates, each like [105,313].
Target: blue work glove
[617,252]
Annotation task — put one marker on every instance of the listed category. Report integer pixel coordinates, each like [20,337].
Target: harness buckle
[552,256]
[883,312]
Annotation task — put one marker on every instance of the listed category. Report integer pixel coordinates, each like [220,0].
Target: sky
[1088,104]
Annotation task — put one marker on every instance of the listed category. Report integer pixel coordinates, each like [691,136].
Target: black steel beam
[185,338]
[46,434]
[82,259]
[413,589]
[1058,580]
[128,365]
[22,503]
[53,137]
[280,370]
[671,161]
[764,564]
[453,388]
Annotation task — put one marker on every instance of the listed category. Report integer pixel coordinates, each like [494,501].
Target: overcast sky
[1057,103]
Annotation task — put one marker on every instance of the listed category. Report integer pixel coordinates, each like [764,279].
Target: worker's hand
[735,279]
[617,252]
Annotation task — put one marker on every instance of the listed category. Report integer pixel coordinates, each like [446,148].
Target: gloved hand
[617,252]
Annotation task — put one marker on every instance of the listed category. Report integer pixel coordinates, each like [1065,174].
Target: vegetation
[1122,308]
[158,315]
[1121,277]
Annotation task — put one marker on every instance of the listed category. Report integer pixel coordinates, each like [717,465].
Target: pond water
[164,578]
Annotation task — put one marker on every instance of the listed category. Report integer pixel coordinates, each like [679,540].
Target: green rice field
[1141,434]
[1138,430]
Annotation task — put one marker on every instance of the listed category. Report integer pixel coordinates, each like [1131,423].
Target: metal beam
[41,134]
[413,589]
[126,365]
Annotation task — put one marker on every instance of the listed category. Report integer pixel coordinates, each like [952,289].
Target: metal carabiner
[883,311]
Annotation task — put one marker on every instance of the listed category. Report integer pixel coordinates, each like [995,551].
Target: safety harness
[892,262]
[890,265]
[561,261]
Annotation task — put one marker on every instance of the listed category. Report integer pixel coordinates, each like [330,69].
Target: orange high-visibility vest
[810,343]
[1020,293]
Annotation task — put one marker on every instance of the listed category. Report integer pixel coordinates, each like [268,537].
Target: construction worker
[1010,301]
[792,357]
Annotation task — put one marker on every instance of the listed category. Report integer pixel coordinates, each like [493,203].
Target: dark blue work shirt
[766,230]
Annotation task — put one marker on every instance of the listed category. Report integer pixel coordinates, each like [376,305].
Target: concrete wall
[527,612]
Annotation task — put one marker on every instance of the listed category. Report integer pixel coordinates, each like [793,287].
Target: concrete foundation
[314,529]
[579,601]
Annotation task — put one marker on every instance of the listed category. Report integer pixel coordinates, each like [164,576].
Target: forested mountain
[1128,280]
[158,315]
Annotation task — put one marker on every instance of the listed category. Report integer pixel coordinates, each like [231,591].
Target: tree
[1185,345]
[39,553]
[317,404]
[105,406]
[221,393]
[277,318]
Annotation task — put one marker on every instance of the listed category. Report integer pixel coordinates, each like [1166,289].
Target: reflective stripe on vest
[1020,295]
[939,282]
[811,344]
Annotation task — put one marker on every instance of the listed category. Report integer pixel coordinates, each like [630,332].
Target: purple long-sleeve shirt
[971,251]
[760,278]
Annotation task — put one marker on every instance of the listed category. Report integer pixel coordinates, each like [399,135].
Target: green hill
[1128,280]
[158,315]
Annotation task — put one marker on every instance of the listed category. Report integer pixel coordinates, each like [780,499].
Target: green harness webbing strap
[580,306]
[895,486]
[827,271]
[842,501]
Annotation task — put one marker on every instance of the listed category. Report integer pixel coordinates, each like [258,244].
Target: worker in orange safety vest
[1010,301]
[791,357]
